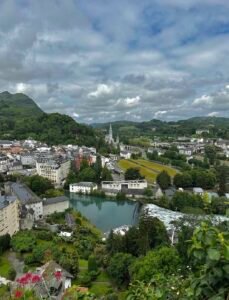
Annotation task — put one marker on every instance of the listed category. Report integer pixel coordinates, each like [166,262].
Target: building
[125,154]
[28,159]
[25,197]
[198,191]
[9,215]
[124,185]
[5,144]
[55,169]
[83,187]
[4,163]
[201,131]
[55,281]
[109,138]
[56,204]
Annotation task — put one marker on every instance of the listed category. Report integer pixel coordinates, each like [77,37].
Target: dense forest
[21,118]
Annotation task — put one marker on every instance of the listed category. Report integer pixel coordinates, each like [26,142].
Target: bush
[92,265]
[86,280]
[94,274]
[11,274]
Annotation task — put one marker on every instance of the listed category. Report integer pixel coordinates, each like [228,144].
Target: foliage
[4,242]
[164,180]
[74,293]
[152,233]
[148,192]
[23,241]
[182,200]
[118,268]
[38,184]
[92,264]
[133,174]
[120,196]
[182,180]
[223,178]
[87,174]
[164,260]
[210,256]
[20,117]
[54,193]
[159,288]
[210,153]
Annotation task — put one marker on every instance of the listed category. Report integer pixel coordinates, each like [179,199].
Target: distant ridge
[218,126]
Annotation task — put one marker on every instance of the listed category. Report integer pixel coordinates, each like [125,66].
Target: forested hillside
[20,118]
[218,127]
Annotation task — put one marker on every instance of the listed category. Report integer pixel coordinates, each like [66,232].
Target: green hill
[218,127]
[17,106]
[20,118]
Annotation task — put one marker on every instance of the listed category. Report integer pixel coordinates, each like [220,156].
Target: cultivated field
[147,168]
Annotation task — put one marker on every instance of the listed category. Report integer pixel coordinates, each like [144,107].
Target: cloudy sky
[106,60]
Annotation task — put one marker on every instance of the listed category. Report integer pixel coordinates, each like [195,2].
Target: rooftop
[23,193]
[55,200]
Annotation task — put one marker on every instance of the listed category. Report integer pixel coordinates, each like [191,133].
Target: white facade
[55,172]
[28,160]
[37,208]
[83,187]
[9,215]
[4,163]
[49,207]
[125,154]
[124,184]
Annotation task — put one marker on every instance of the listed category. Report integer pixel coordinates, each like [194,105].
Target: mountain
[17,106]
[218,127]
[20,118]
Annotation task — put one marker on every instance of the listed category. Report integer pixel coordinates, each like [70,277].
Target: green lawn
[100,289]
[83,263]
[103,276]
[4,265]
[148,169]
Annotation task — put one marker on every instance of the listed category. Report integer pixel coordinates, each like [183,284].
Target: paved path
[17,264]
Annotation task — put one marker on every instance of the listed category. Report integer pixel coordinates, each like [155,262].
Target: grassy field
[147,168]
[4,265]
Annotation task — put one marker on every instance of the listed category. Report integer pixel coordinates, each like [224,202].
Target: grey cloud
[61,52]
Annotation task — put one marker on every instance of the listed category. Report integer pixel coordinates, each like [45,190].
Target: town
[114,150]
[165,178]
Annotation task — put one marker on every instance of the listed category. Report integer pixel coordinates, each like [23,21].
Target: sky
[104,60]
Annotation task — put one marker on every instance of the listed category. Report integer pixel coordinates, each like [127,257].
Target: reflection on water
[104,213]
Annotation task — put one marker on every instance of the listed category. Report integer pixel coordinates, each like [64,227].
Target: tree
[210,152]
[87,174]
[182,180]
[164,260]
[39,184]
[152,233]
[106,175]
[164,180]
[118,268]
[23,242]
[183,200]
[71,178]
[4,242]
[133,174]
[92,265]
[223,177]
[98,168]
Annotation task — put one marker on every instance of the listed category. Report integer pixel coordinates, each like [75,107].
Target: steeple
[110,134]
